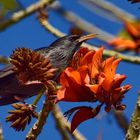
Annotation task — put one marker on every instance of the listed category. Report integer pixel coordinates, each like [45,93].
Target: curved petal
[123,44]
[93,88]
[107,83]
[78,56]
[80,116]
[108,66]
[83,70]
[96,62]
[118,79]
[114,65]
[131,29]
[87,59]
[68,75]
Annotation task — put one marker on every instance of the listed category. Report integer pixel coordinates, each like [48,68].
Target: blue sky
[29,33]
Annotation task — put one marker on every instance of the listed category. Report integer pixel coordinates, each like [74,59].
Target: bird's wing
[6,71]
[21,91]
[11,87]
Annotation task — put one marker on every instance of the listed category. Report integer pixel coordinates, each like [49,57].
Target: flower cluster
[31,66]
[92,79]
[132,42]
[21,116]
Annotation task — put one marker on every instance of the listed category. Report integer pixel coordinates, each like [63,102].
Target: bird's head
[80,39]
[75,41]
[72,41]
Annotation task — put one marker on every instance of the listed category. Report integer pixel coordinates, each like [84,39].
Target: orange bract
[122,44]
[93,80]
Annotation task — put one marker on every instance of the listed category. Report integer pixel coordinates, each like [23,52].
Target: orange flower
[93,80]
[108,88]
[131,43]
[80,116]
[121,44]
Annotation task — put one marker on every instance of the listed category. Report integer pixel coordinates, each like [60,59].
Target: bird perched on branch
[59,53]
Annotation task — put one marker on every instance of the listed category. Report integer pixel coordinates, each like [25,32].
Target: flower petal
[82,115]
[96,62]
[114,65]
[131,29]
[87,59]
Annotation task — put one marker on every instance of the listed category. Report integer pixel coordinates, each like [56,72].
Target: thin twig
[60,124]
[38,126]
[18,16]
[51,89]
[63,123]
[112,8]
[133,132]
[85,25]
[121,120]
[56,32]
[39,96]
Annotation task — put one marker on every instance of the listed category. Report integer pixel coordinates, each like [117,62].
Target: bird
[60,54]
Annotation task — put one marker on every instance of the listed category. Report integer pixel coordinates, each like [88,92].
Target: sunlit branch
[121,120]
[37,127]
[16,17]
[85,25]
[133,132]
[112,8]
[60,124]
[56,32]
[38,96]
[64,125]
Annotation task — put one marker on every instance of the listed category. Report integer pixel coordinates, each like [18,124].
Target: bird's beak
[86,37]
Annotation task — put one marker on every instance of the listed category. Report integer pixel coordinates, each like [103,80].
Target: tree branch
[84,25]
[111,8]
[133,132]
[38,126]
[56,32]
[60,124]
[18,16]
[121,120]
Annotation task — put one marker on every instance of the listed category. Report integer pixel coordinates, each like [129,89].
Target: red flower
[80,116]
[92,79]
[131,43]
[121,44]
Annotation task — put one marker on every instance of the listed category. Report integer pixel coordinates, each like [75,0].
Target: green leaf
[8,6]
[124,34]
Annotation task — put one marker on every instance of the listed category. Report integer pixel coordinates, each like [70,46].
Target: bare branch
[18,16]
[38,126]
[85,25]
[63,123]
[121,120]
[112,8]
[133,132]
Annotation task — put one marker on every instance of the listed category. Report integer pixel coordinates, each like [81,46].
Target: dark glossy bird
[60,54]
